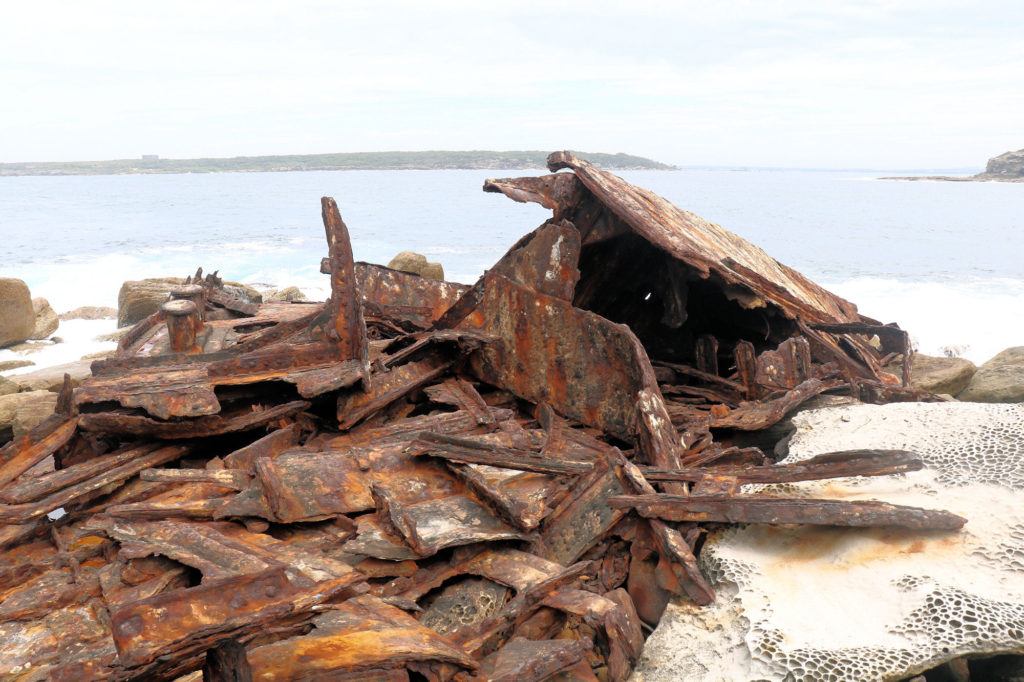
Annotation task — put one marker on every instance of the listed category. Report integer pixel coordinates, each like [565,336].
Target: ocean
[944,260]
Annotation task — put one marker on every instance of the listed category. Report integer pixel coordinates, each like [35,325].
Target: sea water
[944,260]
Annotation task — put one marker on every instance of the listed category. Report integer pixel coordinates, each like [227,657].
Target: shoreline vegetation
[427,160]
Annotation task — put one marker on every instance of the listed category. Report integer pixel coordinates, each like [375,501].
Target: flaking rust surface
[421,477]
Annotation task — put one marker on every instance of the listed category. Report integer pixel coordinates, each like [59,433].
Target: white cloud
[762,83]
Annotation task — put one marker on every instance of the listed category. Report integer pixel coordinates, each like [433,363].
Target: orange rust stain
[87,541]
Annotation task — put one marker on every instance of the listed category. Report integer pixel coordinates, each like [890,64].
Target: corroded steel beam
[755,509]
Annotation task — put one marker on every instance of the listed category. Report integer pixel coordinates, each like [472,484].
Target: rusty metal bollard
[182,324]
[191,292]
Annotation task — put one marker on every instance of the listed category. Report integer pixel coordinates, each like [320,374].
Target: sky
[913,84]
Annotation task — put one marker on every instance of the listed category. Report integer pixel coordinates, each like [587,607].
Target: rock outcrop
[941,375]
[17,318]
[52,378]
[90,312]
[14,364]
[417,264]
[46,321]
[138,299]
[1000,380]
[32,411]
[290,294]
[1007,166]
[31,402]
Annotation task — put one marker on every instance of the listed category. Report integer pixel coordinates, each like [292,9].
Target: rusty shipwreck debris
[503,482]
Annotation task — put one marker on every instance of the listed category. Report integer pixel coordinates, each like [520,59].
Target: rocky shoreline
[1008,167]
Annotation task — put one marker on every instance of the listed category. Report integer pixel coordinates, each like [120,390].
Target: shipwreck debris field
[424,480]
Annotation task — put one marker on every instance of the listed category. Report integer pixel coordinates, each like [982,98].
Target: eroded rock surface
[46,321]
[1008,165]
[940,375]
[1000,380]
[52,378]
[17,319]
[416,263]
[806,603]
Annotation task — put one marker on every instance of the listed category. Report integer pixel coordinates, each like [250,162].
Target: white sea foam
[79,337]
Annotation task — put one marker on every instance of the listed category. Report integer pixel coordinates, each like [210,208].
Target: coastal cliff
[1008,166]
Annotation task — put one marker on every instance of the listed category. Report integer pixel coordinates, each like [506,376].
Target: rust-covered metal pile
[424,480]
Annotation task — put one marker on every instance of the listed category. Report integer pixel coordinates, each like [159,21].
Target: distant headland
[1008,167]
[430,160]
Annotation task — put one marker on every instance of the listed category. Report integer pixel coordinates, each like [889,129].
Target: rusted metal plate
[342,320]
[617,619]
[404,296]
[541,359]
[359,636]
[832,465]
[199,545]
[516,569]
[755,509]
[445,522]
[290,362]
[545,261]
[37,487]
[583,517]
[21,513]
[708,248]
[561,192]
[270,445]
[181,622]
[163,392]
[523,659]
[760,415]
[30,449]
[388,387]
[240,420]
[463,604]
[304,486]
[477,451]
[461,394]
[36,649]
[491,633]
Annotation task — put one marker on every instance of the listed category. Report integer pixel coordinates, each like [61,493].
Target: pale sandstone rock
[936,374]
[90,312]
[416,263]
[52,378]
[46,321]
[31,412]
[290,294]
[10,404]
[1000,380]
[817,603]
[17,319]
